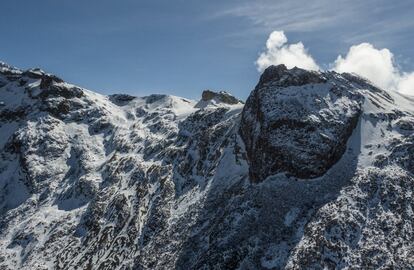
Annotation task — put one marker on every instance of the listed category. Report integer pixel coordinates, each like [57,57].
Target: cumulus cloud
[369,62]
[406,84]
[377,65]
[279,52]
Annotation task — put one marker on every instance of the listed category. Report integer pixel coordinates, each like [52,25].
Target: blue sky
[182,47]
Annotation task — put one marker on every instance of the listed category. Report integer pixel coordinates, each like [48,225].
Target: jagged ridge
[162,182]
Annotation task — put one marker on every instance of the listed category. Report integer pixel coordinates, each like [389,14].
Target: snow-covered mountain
[315,171]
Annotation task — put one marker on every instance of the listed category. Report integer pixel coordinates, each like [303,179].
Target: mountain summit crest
[312,172]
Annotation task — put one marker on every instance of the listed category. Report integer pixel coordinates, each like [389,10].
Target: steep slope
[313,171]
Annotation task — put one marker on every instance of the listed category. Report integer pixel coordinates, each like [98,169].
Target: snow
[169,176]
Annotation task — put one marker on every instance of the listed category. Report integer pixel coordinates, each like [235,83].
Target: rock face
[221,96]
[161,182]
[298,122]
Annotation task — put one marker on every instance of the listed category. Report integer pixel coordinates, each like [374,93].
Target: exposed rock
[161,182]
[37,73]
[298,122]
[55,90]
[8,115]
[281,76]
[121,99]
[221,96]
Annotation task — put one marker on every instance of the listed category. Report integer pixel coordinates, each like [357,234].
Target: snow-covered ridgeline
[312,172]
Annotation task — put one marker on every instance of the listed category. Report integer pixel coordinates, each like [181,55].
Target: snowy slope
[161,182]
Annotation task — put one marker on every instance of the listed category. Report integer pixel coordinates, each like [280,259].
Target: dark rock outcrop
[121,99]
[221,96]
[281,76]
[298,122]
[37,73]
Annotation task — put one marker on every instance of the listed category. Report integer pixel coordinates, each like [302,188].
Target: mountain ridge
[157,182]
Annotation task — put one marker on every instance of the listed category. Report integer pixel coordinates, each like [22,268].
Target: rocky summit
[298,122]
[314,171]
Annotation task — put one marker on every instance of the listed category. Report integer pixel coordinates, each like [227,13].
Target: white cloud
[377,65]
[369,62]
[279,52]
[406,84]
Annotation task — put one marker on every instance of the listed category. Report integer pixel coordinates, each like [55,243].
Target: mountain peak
[221,96]
[89,181]
[209,97]
[280,75]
